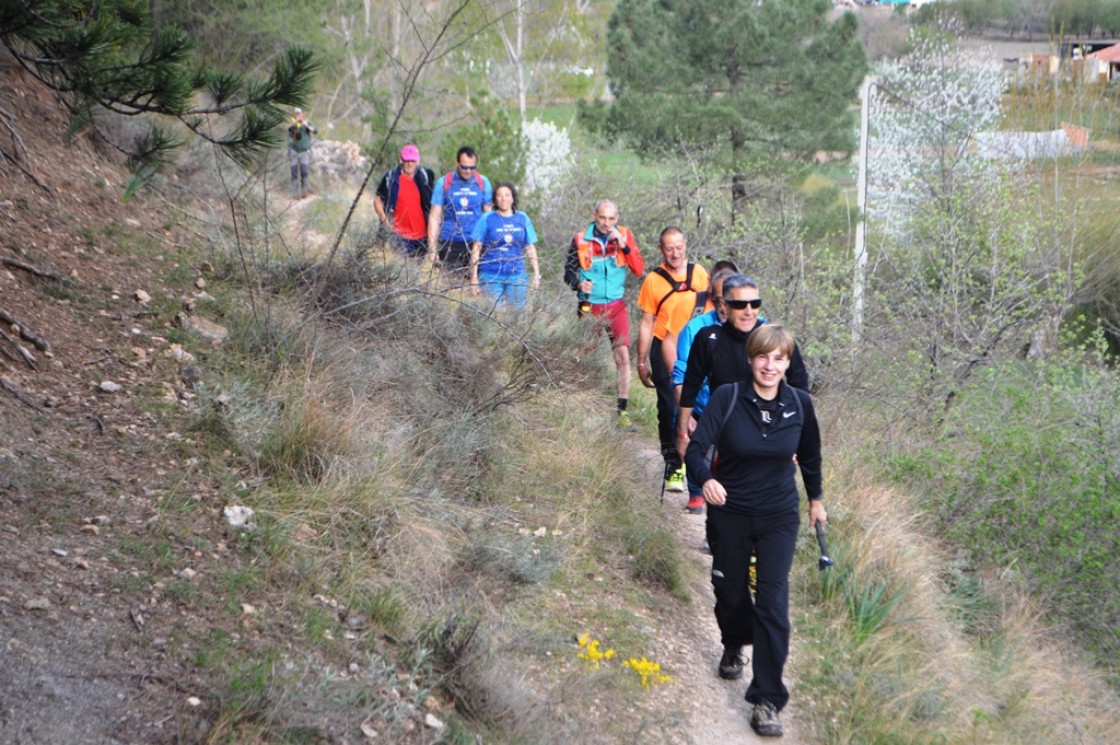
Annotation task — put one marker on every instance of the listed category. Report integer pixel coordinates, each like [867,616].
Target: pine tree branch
[109,60]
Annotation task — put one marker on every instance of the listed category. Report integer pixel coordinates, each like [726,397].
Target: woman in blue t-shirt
[501,240]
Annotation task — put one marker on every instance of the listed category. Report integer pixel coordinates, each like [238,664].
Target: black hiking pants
[666,407]
[764,623]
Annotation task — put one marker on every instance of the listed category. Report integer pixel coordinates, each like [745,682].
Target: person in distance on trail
[502,239]
[669,296]
[299,151]
[596,267]
[721,270]
[458,201]
[403,200]
[718,354]
[742,453]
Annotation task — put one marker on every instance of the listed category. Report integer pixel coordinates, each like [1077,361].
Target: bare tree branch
[18,156]
[426,59]
[28,358]
[24,331]
[14,390]
[17,264]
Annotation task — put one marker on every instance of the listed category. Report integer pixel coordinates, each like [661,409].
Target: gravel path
[713,710]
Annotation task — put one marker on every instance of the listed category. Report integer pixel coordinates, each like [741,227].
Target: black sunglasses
[742,304]
[467,168]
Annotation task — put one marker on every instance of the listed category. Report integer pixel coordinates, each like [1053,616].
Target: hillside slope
[82,468]
[99,640]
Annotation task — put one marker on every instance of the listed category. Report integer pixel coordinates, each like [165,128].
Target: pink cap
[410,152]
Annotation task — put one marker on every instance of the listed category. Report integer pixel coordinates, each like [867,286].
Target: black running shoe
[731,664]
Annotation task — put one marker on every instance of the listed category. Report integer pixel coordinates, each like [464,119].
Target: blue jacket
[684,344]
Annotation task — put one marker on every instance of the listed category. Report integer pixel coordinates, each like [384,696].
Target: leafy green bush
[1027,478]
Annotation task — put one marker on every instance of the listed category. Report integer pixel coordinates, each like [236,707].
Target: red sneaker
[696,505]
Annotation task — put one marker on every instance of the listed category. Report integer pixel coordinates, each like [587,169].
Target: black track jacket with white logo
[756,448]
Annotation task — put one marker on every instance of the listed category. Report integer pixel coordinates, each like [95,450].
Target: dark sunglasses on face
[742,304]
[467,168]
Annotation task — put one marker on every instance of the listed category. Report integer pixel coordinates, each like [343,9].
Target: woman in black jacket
[755,429]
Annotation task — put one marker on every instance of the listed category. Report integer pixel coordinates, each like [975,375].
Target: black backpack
[675,286]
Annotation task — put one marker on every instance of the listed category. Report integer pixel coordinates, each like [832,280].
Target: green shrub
[1026,478]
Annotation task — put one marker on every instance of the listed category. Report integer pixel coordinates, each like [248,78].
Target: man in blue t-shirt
[458,200]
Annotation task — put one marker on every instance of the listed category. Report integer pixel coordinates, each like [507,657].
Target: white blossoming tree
[548,160]
[970,262]
[926,108]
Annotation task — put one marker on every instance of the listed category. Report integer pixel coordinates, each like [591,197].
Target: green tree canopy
[751,77]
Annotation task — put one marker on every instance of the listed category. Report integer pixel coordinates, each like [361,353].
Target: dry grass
[952,661]
[405,473]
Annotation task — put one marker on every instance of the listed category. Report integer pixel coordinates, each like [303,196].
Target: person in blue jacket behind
[721,270]
[501,241]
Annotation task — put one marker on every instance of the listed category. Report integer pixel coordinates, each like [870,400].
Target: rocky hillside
[83,464]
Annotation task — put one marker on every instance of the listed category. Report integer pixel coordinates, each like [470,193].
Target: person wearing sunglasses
[719,352]
[458,200]
[721,270]
[743,453]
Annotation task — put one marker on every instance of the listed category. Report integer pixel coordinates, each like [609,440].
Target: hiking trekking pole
[826,559]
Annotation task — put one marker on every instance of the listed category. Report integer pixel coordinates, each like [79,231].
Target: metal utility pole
[860,249]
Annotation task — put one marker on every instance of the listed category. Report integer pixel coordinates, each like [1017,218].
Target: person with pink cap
[404,199]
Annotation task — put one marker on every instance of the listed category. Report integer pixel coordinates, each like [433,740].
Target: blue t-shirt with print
[503,243]
[462,204]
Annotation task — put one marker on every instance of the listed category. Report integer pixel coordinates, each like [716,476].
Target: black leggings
[765,622]
[666,407]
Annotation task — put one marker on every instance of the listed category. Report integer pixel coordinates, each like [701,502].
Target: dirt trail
[715,710]
[297,224]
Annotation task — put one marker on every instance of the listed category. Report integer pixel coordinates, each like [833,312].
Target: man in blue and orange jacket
[596,267]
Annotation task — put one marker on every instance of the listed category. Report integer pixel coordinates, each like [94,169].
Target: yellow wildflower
[649,670]
[590,651]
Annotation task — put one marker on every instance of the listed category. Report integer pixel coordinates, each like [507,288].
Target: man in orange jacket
[670,295]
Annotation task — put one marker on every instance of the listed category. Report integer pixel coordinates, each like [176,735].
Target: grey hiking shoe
[731,664]
[764,720]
